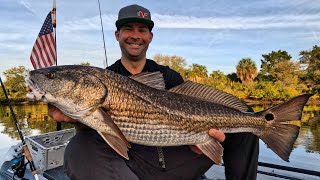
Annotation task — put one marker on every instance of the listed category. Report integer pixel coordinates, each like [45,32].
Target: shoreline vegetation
[278,79]
[312,101]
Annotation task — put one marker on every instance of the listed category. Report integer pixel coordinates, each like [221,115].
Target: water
[306,152]
[34,120]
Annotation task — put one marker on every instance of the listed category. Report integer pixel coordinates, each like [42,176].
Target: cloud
[257,22]
[316,35]
[89,24]
[13,36]
[27,5]
[13,47]
[192,22]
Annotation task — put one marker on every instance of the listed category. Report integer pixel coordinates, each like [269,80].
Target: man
[87,156]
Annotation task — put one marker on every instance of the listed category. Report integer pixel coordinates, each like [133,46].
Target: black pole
[55,42]
[58,124]
[104,42]
[25,147]
[278,175]
[287,168]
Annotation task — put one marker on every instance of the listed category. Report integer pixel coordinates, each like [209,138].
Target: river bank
[270,102]
[312,101]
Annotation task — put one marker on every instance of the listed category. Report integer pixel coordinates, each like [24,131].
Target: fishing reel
[18,166]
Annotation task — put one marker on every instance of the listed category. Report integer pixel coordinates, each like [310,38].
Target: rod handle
[29,158]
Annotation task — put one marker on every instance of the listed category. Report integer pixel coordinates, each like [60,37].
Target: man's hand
[58,116]
[217,134]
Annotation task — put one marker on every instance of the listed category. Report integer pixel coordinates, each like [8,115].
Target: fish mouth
[35,92]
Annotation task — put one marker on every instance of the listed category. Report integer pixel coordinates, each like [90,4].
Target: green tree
[233,77]
[264,91]
[2,97]
[174,62]
[311,62]
[15,84]
[246,70]
[197,73]
[279,68]
[311,58]
[270,60]
[286,73]
[86,63]
[218,80]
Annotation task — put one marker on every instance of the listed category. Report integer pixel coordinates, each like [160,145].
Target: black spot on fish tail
[269,117]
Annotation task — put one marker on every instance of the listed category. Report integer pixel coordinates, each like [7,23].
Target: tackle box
[47,150]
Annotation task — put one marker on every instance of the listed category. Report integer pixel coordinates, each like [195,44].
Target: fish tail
[283,125]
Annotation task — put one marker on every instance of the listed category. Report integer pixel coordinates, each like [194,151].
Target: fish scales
[125,110]
[176,112]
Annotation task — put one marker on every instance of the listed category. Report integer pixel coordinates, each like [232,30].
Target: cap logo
[142,14]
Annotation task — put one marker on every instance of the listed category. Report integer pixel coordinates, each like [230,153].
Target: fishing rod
[104,42]
[24,145]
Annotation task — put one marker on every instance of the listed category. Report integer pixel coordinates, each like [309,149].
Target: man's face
[134,39]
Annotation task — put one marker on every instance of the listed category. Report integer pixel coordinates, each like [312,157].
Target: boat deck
[214,173]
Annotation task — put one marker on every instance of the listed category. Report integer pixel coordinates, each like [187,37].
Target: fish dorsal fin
[210,94]
[152,79]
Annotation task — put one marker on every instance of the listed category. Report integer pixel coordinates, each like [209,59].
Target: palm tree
[197,73]
[246,70]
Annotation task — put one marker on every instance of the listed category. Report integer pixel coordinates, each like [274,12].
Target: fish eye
[50,75]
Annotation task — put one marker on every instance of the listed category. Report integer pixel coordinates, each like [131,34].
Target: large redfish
[139,110]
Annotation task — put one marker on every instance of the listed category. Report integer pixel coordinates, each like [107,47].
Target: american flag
[44,50]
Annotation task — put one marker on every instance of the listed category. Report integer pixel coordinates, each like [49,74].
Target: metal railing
[286,168]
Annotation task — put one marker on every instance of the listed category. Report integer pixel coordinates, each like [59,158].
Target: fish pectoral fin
[117,144]
[212,149]
[101,114]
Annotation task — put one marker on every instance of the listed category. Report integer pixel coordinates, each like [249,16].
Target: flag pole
[54,24]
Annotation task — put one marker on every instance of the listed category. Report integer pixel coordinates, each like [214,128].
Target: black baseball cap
[134,13]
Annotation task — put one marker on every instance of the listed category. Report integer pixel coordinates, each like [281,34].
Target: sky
[213,33]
